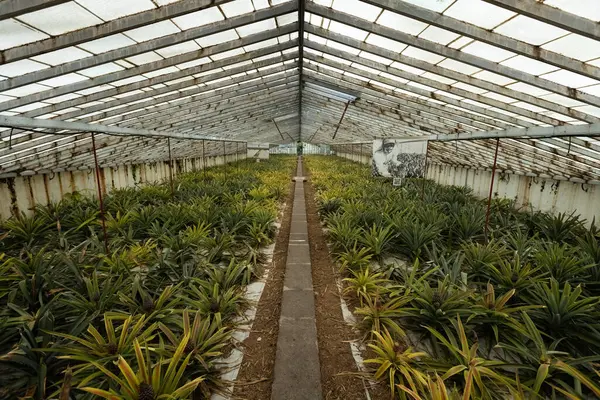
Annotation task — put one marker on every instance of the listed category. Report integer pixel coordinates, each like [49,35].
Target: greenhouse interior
[299,199]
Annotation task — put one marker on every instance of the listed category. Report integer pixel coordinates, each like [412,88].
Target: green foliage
[76,323]
[511,315]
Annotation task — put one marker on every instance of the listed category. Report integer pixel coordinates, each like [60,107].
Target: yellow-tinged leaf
[110,330]
[468,386]
[128,373]
[141,361]
[92,331]
[102,393]
[187,388]
[453,371]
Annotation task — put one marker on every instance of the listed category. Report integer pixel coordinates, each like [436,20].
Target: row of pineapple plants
[147,319]
[449,310]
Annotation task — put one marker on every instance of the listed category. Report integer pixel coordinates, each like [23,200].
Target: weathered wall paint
[21,193]
[541,194]
[262,154]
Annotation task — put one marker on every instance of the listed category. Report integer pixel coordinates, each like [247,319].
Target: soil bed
[256,372]
[333,333]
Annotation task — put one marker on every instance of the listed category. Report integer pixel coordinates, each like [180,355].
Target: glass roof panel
[357,8]
[256,27]
[407,68]
[100,70]
[529,65]
[227,54]
[62,18]
[343,47]
[439,78]
[493,77]
[177,49]
[459,66]
[20,67]
[152,31]
[287,19]
[438,35]
[385,43]
[199,18]
[488,52]
[62,56]
[525,88]
[260,4]
[376,58]
[422,55]
[194,63]
[107,43]
[470,88]
[161,71]
[479,13]
[530,30]
[461,42]
[575,46]
[347,30]
[584,8]
[438,5]
[496,96]
[217,38]
[144,58]
[569,79]
[237,7]
[401,23]
[111,9]
[15,33]
[129,80]
[63,80]
[594,89]
[64,97]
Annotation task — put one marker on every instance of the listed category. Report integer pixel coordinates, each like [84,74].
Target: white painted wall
[21,193]
[542,194]
[262,154]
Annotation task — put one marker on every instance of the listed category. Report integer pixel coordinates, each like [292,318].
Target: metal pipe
[489,204]
[203,159]
[170,168]
[224,160]
[341,119]
[301,14]
[424,172]
[100,199]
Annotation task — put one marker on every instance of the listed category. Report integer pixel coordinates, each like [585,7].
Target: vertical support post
[170,168]
[424,172]
[237,154]
[489,204]
[100,199]
[224,160]
[203,158]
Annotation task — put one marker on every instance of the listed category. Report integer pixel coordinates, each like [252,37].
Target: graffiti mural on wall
[399,159]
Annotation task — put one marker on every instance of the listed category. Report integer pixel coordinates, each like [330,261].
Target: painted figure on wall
[399,159]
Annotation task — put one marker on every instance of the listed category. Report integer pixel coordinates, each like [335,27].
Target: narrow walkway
[297,369]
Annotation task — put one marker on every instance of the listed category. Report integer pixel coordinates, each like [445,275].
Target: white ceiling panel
[62,18]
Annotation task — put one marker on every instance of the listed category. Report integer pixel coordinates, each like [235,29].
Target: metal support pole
[224,160]
[341,119]
[203,159]
[424,172]
[170,168]
[100,199]
[237,154]
[489,204]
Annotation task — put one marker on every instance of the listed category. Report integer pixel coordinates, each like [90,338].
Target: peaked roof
[246,69]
